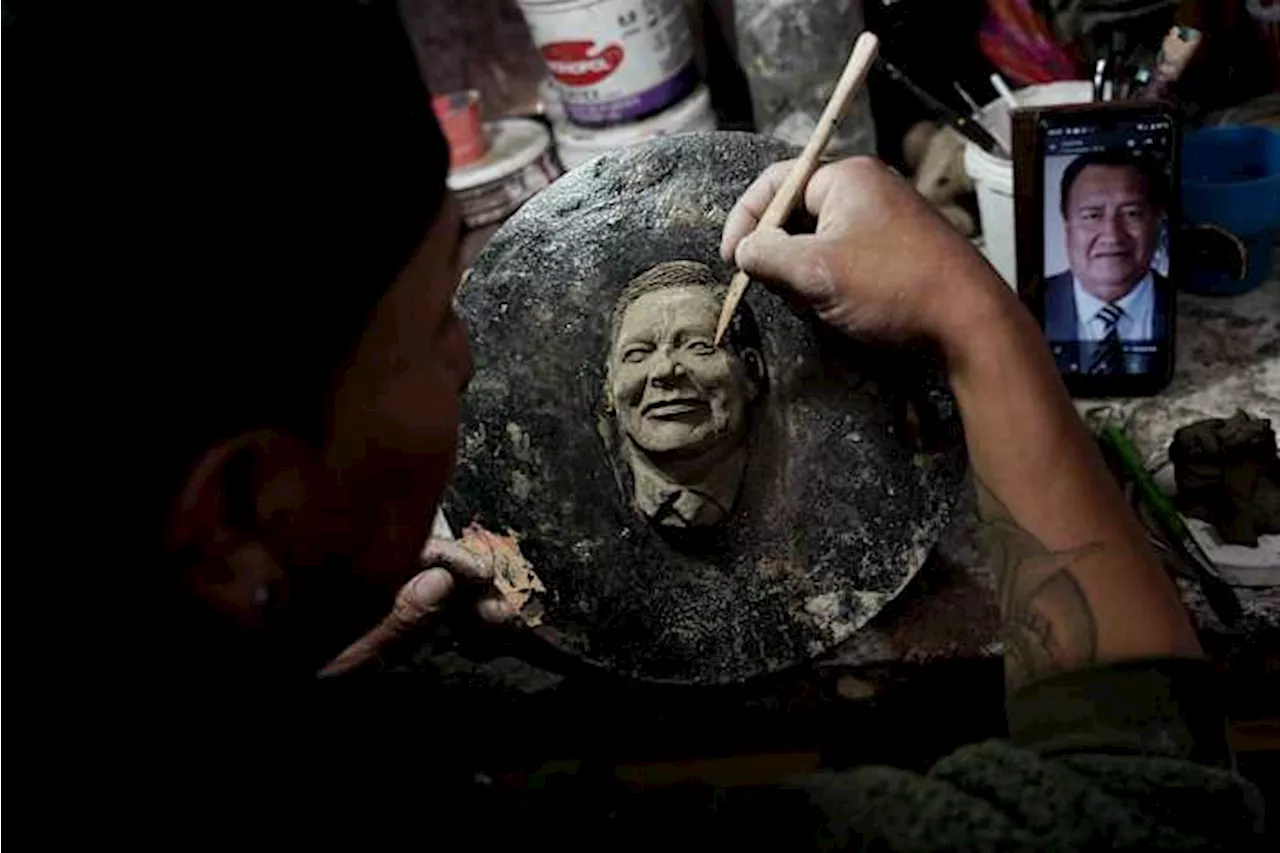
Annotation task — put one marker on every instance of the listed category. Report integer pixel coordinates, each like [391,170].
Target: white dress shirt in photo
[1138,305]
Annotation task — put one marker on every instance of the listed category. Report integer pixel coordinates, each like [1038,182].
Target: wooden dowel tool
[784,201]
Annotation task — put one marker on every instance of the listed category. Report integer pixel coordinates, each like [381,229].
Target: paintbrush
[1176,51]
[974,109]
[965,126]
[1221,597]
[784,201]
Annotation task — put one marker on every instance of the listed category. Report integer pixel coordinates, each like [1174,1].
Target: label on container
[614,60]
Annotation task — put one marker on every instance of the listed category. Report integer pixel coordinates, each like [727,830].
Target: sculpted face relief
[680,401]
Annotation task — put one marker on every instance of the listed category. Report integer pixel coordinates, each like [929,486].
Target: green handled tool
[1221,597]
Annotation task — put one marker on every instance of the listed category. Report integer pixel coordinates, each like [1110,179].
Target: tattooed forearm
[1047,624]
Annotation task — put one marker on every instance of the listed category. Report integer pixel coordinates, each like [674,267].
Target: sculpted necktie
[1108,358]
[688,508]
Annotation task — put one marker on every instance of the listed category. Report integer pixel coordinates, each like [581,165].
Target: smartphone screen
[1103,284]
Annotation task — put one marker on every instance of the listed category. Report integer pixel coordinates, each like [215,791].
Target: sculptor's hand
[881,263]
[422,598]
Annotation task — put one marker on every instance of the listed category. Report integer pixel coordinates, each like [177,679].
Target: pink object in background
[1021,44]
[459,117]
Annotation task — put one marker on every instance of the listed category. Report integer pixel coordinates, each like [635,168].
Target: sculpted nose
[664,368]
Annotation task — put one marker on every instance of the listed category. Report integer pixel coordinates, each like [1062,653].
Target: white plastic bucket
[993,175]
[614,61]
[577,145]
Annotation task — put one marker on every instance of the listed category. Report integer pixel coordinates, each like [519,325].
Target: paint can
[518,164]
[577,145]
[614,61]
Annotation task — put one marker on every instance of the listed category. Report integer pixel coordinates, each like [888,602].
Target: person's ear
[754,364]
[251,507]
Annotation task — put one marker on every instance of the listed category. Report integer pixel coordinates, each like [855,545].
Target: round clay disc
[853,456]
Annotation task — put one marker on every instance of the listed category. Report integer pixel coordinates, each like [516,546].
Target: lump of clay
[1228,475]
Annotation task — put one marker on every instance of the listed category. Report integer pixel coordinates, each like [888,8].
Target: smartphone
[1096,200]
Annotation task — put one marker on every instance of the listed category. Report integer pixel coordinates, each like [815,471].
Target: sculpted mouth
[677,408]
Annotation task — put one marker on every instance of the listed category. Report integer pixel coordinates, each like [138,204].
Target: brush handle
[966,126]
[1158,503]
[1221,597]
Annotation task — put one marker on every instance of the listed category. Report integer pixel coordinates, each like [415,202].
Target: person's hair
[300,168]
[743,332]
[1145,167]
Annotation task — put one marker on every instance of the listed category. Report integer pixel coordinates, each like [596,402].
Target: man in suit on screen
[1110,297]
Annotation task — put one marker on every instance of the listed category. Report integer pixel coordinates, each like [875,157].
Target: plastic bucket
[577,145]
[1231,180]
[993,175]
[614,61]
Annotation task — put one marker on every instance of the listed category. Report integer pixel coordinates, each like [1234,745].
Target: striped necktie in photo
[1108,358]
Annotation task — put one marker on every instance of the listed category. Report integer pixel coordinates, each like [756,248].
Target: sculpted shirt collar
[676,505]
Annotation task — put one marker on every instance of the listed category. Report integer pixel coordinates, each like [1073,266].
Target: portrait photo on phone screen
[1107,298]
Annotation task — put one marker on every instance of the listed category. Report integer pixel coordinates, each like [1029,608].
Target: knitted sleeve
[1129,756]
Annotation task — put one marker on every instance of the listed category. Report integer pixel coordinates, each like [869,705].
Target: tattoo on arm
[1046,622]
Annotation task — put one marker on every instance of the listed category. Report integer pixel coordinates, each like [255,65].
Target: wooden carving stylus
[784,201]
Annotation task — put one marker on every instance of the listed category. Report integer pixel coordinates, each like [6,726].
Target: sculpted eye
[635,355]
[700,347]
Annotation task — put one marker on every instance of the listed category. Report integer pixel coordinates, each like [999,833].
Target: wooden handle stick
[784,201]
